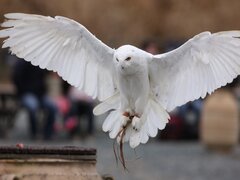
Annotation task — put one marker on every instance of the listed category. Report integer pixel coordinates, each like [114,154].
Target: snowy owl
[139,88]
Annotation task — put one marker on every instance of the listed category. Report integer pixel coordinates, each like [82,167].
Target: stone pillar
[219,124]
[49,163]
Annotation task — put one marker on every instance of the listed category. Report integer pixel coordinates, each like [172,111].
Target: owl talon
[135,129]
[125,120]
[136,123]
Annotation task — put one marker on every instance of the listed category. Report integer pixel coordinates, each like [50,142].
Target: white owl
[139,88]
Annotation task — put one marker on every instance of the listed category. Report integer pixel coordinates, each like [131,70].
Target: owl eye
[128,59]
[117,60]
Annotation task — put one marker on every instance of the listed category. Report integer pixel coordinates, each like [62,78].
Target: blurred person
[174,128]
[151,46]
[190,113]
[79,105]
[32,93]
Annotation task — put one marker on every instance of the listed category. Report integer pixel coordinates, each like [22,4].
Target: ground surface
[160,160]
[154,161]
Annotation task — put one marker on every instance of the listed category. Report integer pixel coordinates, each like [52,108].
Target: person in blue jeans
[31,89]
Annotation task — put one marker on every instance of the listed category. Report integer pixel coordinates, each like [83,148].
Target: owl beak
[122,67]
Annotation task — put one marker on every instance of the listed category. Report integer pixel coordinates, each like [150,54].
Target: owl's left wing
[195,69]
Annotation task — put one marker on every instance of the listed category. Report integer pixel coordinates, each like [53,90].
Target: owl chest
[134,86]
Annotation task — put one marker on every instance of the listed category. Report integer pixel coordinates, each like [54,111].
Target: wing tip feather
[13,15]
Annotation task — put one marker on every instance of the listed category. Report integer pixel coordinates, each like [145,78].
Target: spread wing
[201,65]
[64,46]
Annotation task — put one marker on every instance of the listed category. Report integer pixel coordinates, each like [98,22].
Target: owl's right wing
[64,46]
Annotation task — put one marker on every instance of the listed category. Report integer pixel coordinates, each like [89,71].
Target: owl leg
[126,112]
[139,109]
[136,123]
[125,118]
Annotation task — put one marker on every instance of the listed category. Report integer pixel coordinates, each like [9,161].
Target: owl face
[127,60]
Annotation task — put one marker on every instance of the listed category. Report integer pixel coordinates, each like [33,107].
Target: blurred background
[202,139]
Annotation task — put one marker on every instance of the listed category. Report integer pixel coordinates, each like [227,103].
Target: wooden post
[219,125]
[49,163]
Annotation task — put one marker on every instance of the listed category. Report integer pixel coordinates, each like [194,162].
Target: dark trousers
[33,104]
[82,108]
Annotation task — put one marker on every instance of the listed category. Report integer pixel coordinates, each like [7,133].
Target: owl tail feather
[112,102]
[154,117]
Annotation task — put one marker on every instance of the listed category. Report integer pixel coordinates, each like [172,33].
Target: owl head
[130,60]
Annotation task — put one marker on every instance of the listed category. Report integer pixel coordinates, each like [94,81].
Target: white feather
[116,126]
[109,121]
[110,103]
[207,61]
[55,43]
[135,139]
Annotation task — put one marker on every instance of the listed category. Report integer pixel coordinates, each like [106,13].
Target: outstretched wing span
[201,65]
[64,46]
